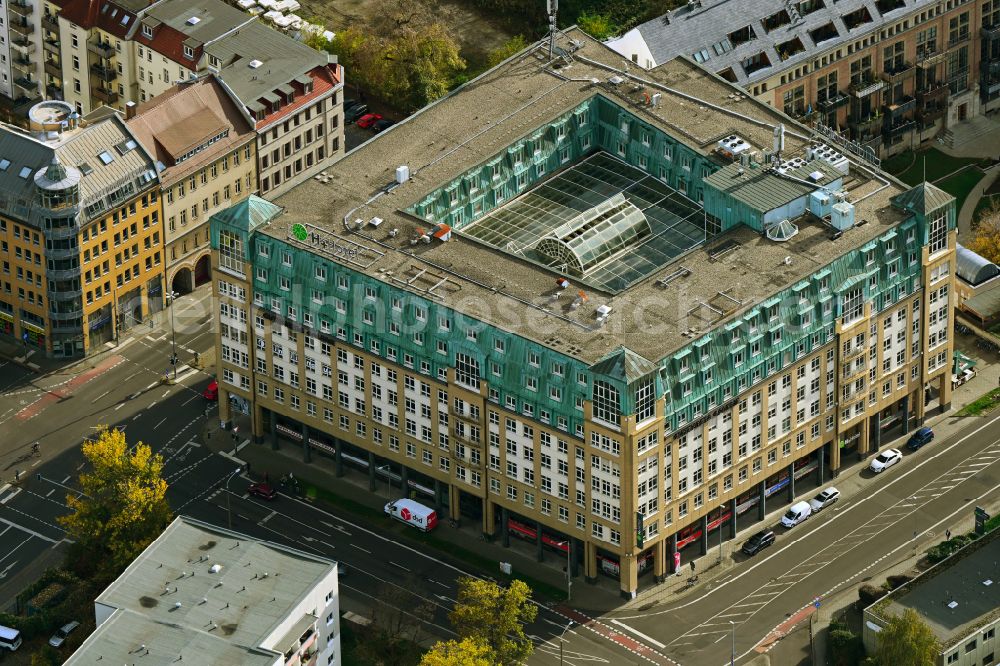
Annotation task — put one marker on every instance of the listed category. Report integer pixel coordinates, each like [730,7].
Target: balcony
[903,106]
[108,74]
[50,23]
[27,84]
[23,62]
[104,50]
[990,32]
[52,91]
[934,92]
[107,96]
[898,74]
[841,99]
[866,86]
[53,69]
[23,27]
[961,37]
[51,45]
[20,7]
[930,59]
[21,42]
[929,113]
[900,128]
[866,126]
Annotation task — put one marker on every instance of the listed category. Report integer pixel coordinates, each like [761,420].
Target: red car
[369,119]
[263,490]
[211,391]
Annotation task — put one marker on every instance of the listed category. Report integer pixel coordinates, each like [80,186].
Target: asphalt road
[125,389]
[927,492]
[920,497]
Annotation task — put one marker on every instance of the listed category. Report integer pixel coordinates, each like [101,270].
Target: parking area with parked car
[361,122]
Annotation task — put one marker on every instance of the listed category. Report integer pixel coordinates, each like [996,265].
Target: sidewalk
[594,598]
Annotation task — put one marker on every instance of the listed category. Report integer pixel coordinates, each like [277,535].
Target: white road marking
[159,424]
[638,633]
[268,517]
[151,405]
[68,477]
[102,395]
[364,550]
[50,492]
[395,564]
[165,393]
[25,529]
[119,406]
[11,496]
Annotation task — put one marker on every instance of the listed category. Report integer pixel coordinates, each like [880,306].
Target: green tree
[467,652]
[515,44]
[986,235]
[598,26]
[406,57]
[45,656]
[843,647]
[123,506]
[495,617]
[906,639]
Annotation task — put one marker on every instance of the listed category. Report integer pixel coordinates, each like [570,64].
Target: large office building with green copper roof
[604,312]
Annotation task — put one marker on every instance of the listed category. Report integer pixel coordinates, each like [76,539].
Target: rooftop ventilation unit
[402,174]
[254,64]
[829,155]
[616,80]
[215,568]
[194,20]
[732,146]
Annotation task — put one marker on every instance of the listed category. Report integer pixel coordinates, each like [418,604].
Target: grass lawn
[909,166]
[961,184]
[982,405]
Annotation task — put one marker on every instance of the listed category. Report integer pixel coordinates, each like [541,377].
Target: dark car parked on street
[758,542]
[919,438]
[355,112]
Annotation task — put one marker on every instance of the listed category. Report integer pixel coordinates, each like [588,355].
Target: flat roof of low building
[204,593]
[956,596]
[508,103]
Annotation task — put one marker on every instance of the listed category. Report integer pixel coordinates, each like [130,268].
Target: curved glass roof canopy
[600,221]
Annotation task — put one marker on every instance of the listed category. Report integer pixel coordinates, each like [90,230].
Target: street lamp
[229,508]
[732,656]
[562,641]
[569,577]
[388,482]
[171,297]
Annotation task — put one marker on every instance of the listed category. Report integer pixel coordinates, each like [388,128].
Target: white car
[64,631]
[824,499]
[887,458]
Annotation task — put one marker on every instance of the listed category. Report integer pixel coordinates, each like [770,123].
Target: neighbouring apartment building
[80,228]
[95,53]
[609,315]
[957,598]
[884,74]
[205,150]
[202,594]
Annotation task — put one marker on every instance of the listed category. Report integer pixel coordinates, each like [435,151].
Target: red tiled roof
[169,42]
[325,78]
[98,13]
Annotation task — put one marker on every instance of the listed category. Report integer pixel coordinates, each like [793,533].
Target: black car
[348,103]
[919,438]
[758,542]
[355,112]
[380,125]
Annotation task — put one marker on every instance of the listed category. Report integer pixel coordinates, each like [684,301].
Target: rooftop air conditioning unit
[254,64]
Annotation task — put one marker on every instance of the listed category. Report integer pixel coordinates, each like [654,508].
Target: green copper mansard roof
[922,199]
[624,365]
[249,213]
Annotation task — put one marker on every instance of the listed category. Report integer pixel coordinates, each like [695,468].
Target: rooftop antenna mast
[553,8]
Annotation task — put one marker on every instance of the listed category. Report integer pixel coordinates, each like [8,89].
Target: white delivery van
[413,513]
[795,515]
[9,638]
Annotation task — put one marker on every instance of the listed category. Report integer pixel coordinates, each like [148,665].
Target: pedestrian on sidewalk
[947,535]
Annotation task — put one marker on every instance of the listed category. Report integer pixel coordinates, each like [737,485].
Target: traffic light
[640,532]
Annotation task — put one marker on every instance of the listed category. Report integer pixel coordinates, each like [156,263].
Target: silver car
[64,631]
[824,499]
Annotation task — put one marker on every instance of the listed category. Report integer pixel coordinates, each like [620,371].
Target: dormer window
[147,31]
[188,52]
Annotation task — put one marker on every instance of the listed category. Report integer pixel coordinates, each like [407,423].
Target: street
[883,518]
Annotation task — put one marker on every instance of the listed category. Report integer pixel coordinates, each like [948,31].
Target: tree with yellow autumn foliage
[986,235]
[122,506]
[467,652]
